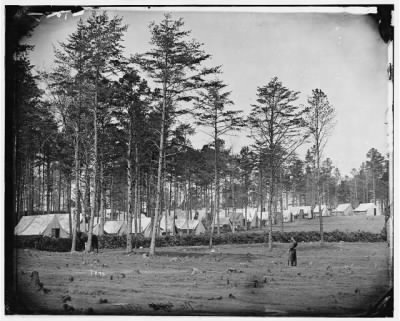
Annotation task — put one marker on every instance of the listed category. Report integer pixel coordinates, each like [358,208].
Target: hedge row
[116,241]
[45,243]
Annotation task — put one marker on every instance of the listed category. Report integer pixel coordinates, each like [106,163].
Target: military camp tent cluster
[369,209]
[121,227]
[190,227]
[321,209]
[296,212]
[56,225]
[343,210]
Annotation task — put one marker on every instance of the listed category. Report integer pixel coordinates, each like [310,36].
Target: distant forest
[106,132]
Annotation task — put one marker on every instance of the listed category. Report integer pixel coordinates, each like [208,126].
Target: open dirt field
[338,279]
[354,223]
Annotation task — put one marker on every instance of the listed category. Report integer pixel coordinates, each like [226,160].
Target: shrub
[44,243]
[384,233]
[118,242]
[55,245]
[26,242]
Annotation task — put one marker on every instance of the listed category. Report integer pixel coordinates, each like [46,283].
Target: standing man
[292,260]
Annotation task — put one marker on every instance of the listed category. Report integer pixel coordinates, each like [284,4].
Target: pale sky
[341,54]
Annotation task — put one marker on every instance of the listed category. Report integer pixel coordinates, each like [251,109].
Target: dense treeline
[103,134]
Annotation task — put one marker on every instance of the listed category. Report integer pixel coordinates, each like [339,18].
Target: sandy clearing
[338,279]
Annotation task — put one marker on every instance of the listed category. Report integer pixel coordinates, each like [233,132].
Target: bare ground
[338,279]
[353,223]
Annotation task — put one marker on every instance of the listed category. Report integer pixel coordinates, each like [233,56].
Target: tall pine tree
[277,126]
[173,63]
[211,112]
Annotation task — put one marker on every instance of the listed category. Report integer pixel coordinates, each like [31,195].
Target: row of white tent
[47,224]
[346,209]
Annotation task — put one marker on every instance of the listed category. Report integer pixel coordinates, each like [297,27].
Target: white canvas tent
[115,227]
[287,216]
[306,210]
[42,225]
[343,210]
[180,214]
[368,209]
[224,223]
[324,209]
[254,217]
[190,227]
[256,220]
[22,225]
[108,214]
[202,213]
[294,212]
[237,219]
[145,225]
[121,227]
[246,214]
[96,229]
[64,221]
[170,224]
[251,212]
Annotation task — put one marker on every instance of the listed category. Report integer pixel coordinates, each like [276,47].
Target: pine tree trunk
[321,227]
[159,171]
[169,205]
[69,206]
[270,203]
[245,208]
[137,201]
[77,191]
[87,200]
[216,182]
[147,196]
[43,187]
[102,199]
[48,185]
[233,194]
[18,191]
[111,200]
[373,186]
[175,203]
[206,201]
[162,199]
[261,196]
[59,191]
[39,205]
[16,169]
[281,199]
[52,197]
[93,211]
[190,197]
[31,185]
[24,190]
[186,206]
[129,183]
[355,187]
